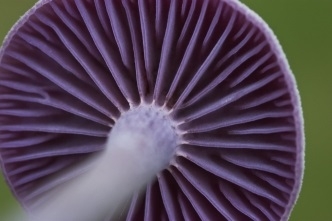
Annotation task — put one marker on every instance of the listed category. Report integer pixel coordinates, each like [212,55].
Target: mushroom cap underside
[70,69]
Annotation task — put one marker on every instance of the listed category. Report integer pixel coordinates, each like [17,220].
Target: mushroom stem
[137,149]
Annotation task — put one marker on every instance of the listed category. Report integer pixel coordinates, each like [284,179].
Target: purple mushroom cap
[211,70]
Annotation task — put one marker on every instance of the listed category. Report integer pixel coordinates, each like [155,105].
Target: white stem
[134,155]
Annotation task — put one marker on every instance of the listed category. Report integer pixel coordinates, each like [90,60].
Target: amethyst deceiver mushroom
[205,81]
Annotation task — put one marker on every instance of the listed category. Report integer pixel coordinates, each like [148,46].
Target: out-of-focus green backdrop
[304,29]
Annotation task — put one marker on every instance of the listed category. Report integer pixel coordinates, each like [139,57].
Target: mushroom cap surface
[70,69]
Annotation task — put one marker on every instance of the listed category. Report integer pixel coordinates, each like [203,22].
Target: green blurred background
[304,29]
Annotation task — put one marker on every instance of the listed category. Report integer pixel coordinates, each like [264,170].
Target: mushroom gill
[205,81]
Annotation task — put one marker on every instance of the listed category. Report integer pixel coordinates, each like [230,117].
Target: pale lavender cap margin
[295,96]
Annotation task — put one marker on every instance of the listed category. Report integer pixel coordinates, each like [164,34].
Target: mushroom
[192,101]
